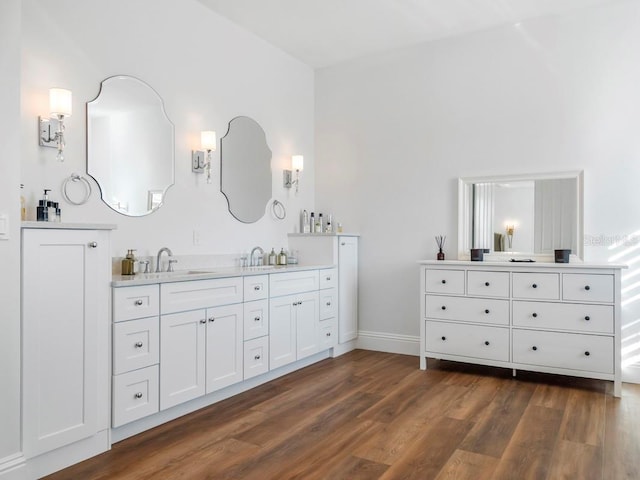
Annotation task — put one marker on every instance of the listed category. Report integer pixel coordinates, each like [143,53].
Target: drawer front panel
[538,286]
[589,353]
[135,302]
[256,287]
[256,319]
[256,357]
[477,310]
[444,281]
[136,344]
[135,395]
[564,316]
[488,284]
[192,295]
[328,333]
[293,282]
[473,341]
[329,278]
[587,287]
[328,303]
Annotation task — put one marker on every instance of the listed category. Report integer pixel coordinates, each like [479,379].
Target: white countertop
[205,274]
[69,226]
[508,264]
[332,234]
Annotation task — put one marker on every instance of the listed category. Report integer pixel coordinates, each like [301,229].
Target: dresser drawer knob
[256,319]
[256,288]
[444,338]
[203,321]
[444,281]
[138,345]
[486,342]
[328,334]
[535,285]
[443,307]
[328,304]
[138,395]
[587,318]
[138,302]
[587,287]
[328,279]
[486,284]
[534,315]
[487,311]
[534,348]
[257,357]
[587,353]
[212,319]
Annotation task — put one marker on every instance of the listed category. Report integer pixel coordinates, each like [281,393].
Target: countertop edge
[68,226]
[507,264]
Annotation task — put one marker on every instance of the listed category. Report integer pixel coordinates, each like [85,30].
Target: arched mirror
[245,169]
[130,146]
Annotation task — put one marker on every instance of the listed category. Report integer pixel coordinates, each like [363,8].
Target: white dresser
[545,317]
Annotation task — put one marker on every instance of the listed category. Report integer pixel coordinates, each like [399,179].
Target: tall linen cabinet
[66,272]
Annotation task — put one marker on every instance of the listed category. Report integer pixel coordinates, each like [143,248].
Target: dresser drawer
[329,278]
[539,286]
[328,303]
[587,287]
[256,357]
[256,319]
[488,284]
[135,302]
[477,310]
[293,282]
[473,341]
[328,333]
[256,287]
[136,344]
[135,395]
[564,316]
[589,353]
[197,294]
[444,281]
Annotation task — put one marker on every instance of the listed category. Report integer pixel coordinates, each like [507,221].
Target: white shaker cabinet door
[225,346]
[348,288]
[282,331]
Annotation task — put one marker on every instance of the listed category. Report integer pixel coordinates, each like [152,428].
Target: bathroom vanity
[544,317]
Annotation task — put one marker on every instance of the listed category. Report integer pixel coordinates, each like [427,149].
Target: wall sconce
[52,129]
[297,164]
[510,229]
[198,162]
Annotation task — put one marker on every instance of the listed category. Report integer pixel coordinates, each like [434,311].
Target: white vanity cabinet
[65,323]
[554,318]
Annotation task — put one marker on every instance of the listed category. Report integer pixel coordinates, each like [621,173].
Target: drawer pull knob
[256,288]
[93,244]
[256,319]
[587,287]
[138,395]
[486,284]
[444,338]
[487,311]
[587,318]
[535,285]
[534,315]
[204,320]
[486,342]
[444,281]
[328,279]
[534,348]
[328,334]
[138,345]
[257,357]
[328,304]
[138,302]
[212,319]
[443,307]
[587,353]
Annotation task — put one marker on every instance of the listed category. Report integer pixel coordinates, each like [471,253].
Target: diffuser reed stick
[440,239]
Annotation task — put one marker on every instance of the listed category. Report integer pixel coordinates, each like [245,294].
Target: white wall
[207,70]
[10,249]
[394,131]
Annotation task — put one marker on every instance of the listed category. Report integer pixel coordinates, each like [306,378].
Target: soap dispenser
[128,263]
[272,257]
[282,257]
[42,211]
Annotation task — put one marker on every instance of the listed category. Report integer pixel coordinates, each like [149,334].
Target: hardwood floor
[371,415]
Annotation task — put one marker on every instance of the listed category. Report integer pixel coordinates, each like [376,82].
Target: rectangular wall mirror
[521,215]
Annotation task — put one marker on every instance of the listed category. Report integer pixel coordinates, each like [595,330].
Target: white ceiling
[324,32]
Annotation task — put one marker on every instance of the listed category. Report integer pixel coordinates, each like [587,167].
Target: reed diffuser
[440,241]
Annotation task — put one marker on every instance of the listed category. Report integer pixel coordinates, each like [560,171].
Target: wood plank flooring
[371,415]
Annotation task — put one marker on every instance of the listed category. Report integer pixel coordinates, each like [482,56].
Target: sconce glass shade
[60,102]
[208,140]
[297,162]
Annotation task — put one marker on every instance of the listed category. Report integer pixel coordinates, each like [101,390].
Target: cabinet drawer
[256,357]
[587,287]
[135,344]
[256,287]
[197,294]
[135,302]
[477,310]
[328,303]
[473,341]
[135,395]
[590,353]
[564,316]
[293,282]
[444,281]
[328,333]
[256,319]
[488,284]
[329,278]
[542,286]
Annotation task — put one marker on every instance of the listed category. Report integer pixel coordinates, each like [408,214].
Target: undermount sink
[196,272]
[260,267]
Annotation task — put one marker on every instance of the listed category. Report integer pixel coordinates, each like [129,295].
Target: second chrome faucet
[170,256]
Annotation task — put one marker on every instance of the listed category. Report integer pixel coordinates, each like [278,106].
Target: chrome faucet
[260,259]
[160,252]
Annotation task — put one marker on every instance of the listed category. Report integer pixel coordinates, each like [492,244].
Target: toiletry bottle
[23,205]
[312,223]
[328,228]
[58,213]
[305,222]
[42,211]
[339,229]
[320,225]
[282,257]
[272,257]
[56,209]
[128,263]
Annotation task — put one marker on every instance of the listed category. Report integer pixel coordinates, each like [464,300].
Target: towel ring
[87,189]
[277,207]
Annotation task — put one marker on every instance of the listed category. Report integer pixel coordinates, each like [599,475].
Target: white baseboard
[631,373]
[389,342]
[13,468]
